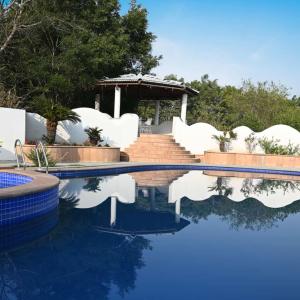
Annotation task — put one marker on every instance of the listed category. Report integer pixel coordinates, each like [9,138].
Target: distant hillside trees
[257,106]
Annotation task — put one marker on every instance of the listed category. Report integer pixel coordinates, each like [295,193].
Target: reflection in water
[242,202]
[81,262]
[100,242]
[14,235]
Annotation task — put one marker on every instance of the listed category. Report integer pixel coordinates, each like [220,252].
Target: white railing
[41,146]
[19,146]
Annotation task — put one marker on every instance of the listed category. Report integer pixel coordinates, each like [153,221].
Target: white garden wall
[116,132]
[197,138]
[12,127]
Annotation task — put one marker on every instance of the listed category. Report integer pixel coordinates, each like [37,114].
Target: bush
[32,156]
[273,147]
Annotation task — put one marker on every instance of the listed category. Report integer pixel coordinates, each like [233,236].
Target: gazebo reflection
[133,220]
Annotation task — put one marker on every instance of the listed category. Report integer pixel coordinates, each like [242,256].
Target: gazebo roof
[146,87]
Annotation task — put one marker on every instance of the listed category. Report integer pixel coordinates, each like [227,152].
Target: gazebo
[142,87]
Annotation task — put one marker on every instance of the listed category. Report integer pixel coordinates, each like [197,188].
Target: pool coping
[40,182]
[114,168]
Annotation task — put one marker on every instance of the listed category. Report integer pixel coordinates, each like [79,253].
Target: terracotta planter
[253,160]
[76,154]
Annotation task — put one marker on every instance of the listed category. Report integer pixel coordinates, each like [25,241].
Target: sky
[231,40]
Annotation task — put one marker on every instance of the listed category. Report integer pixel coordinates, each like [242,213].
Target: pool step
[157,148]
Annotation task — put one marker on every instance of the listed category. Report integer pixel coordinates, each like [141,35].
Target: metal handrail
[19,143]
[40,145]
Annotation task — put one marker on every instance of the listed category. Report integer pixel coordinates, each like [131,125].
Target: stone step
[157,152]
[157,148]
[163,160]
[173,156]
[156,140]
[142,149]
[154,136]
[155,144]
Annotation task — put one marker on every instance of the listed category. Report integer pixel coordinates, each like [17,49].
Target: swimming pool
[171,234]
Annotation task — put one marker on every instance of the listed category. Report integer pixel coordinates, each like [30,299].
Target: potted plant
[94,134]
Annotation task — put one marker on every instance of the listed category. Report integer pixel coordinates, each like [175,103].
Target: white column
[97,102]
[177,210]
[184,107]
[117,102]
[157,111]
[113,210]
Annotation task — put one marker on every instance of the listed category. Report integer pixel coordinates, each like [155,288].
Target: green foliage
[210,105]
[33,158]
[53,112]
[273,147]
[8,98]
[94,134]
[72,44]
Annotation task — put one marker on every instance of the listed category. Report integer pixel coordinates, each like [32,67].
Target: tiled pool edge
[117,169]
[30,200]
[40,182]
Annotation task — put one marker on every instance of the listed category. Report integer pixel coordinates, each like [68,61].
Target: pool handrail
[19,143]
[40,145]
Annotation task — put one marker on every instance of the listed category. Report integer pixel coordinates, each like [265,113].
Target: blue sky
[230,40]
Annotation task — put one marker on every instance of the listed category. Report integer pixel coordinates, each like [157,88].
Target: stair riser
[158,152]
[155,144]
[156,140]
[151,156]
[158,148]
[154,147]
[166,160]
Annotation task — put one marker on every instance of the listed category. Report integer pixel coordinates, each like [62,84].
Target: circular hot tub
[25,195]
[8,180]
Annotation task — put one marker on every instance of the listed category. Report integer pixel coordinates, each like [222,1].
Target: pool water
[8,180]
[163,235]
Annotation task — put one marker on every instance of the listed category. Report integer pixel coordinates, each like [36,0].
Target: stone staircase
[158,148]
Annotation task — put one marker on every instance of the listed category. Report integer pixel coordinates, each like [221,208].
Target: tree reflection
[93,184]
[268,186]
[221,187]
[247,214]
[74,262]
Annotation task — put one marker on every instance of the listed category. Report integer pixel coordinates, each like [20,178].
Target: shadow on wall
[197,138]
[6,155]
[116,132]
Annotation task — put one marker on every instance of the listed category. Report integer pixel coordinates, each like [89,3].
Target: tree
[209,106]
[73,44]
[260,106]
[11,20]
[53,112]
[140,59]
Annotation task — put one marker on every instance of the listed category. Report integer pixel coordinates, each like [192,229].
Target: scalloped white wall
[197,138]
[116,132]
